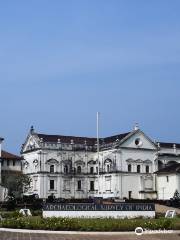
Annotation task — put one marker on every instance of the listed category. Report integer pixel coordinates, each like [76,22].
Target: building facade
[168,181]
[70,167]
[10,164]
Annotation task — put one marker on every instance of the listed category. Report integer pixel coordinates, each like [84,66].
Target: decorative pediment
[67,162]
[138,161]
[148,161]
[107,160]
[31,143]
[79,162]
[130,160]
[138,140]
[52,161]
[92,162]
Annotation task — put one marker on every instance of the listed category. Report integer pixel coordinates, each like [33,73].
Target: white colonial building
[70,167]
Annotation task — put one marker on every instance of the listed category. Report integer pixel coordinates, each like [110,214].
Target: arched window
[108,168]
[91,170]
[147,169]
[65,169]
[129,168]
[138,168]
[52,169]
[79,169]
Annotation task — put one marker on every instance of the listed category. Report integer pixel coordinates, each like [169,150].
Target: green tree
[176,195]
[16,184]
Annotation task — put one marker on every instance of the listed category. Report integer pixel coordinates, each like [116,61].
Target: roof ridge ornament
[32,129]
[136,127]
[174,147]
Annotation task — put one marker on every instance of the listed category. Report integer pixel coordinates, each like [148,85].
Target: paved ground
[163,209]
[34,236]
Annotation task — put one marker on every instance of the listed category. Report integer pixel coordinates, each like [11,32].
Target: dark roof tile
[174,168]
[80,140]
[169,145]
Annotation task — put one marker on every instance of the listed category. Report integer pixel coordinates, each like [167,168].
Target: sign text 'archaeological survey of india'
[117,210]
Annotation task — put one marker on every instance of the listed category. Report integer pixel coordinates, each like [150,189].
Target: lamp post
[98,148]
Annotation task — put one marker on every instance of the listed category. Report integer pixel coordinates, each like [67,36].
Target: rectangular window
[2,162]
[8,162]
[167,178]
[14,162]
[138,168]
[130,194]
[51,184]
[91,185]
[79,184]
[129,168]
[91,170]
[52,169]
[147,169]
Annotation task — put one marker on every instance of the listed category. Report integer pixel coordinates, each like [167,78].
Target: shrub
[76,224]
[11,204]
[12,214]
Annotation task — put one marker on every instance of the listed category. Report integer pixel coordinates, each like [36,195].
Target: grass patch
[79,224]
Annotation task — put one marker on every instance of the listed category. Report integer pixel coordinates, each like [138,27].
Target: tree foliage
[16,184]
[176,195]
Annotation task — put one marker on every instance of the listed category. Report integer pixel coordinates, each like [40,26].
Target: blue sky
[61,61]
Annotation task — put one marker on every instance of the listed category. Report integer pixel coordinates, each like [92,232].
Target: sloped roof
[174,168]
[169,145]
[7,155]
[80,140]
[67,139]
[115,137]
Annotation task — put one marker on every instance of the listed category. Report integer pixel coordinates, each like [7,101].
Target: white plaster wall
[134,156]
[17,166]
[166,189]
[99,214]
[29,158]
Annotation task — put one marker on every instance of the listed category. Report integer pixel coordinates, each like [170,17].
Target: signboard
[100,207]
[114,210]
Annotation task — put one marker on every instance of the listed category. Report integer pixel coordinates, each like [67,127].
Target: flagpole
[98,148]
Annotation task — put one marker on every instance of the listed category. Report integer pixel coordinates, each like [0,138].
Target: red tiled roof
[7,155]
